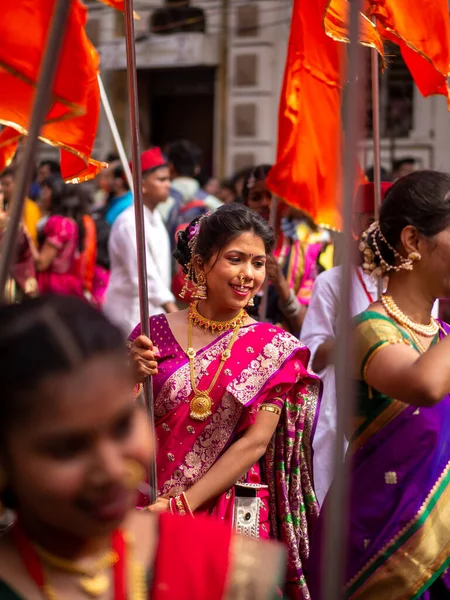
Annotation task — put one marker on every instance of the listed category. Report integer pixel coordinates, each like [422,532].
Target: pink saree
[267,365]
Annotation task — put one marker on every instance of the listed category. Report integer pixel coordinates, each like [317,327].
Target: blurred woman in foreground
[74,447]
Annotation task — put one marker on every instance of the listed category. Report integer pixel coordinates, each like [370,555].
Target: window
[247,20]
[245,120]
[245,70]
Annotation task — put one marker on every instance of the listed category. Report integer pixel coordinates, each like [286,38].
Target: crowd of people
[245,412]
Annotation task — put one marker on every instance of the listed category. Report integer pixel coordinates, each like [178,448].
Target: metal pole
[335,543]
[42,102]
[115,132]
[376,133]
[139,216]
[272,223]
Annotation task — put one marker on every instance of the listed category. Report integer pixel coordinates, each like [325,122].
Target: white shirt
[122,295]
[320,325]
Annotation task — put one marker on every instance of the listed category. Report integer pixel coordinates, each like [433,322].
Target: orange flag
[307,173]
[335,20]
[422,29]
[71,121]
[119,4]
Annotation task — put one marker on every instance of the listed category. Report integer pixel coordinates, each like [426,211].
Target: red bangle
[172,506]
[186,504]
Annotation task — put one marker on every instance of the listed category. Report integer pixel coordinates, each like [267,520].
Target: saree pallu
[267,364]
[399,525]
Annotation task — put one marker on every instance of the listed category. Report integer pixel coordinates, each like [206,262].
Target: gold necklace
[215,326]
[94,581]
[393,311]
[201,403]
[136,579]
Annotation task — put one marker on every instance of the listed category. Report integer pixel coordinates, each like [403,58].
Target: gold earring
[135,473]
[415,256]
[201,291]
[187,279]
[251,302]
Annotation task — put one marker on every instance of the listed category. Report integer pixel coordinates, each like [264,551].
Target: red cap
[152,159]
[365,198]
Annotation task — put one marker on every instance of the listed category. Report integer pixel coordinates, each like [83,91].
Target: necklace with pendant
[94,581]
[201,403]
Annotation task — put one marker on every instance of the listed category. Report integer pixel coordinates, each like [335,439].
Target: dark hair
[43,337]
[218,229]
[385,175]
[54,166]
[8,172]
[68,200]
[406,160]
[112,157]
[258,173]
[49,335]
[421,199]
[119,173]
[185,157]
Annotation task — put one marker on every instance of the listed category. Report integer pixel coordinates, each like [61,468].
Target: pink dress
[60,277]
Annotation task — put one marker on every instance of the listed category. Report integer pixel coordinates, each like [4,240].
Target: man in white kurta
[122,295]
[319,332]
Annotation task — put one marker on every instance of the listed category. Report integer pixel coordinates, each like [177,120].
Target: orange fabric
[422,29]
[71,122]
[88,257]
[119,4]
[31,217]
[307,173]
[335,20]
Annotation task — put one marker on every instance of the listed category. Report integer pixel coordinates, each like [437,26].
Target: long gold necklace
[215,326]
[94,581]
[201,403]
[394,311]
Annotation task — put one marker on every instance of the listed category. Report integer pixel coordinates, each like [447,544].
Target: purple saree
[266,365]
[399,530]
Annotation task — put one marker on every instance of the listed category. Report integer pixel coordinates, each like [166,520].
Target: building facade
[211,71]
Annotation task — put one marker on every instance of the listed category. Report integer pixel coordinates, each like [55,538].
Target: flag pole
[139,218]
[115,133]
[41,104]
[335,541]
[376,133]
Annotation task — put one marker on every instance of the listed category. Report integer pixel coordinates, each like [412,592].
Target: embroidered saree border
[418,554]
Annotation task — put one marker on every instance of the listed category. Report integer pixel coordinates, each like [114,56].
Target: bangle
[273,408]
[171,506]
[186,504]
[138,391]
[179,505]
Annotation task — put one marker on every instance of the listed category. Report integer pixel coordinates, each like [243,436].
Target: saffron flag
[72,119]
[307,173]
[336,19]
[422,30]
[119,4]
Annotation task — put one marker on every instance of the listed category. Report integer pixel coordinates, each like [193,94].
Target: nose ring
[242,279]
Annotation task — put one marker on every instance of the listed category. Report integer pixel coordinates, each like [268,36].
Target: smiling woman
[235,405]
[73,450]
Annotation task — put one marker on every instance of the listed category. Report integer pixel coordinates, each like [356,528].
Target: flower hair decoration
[370,248]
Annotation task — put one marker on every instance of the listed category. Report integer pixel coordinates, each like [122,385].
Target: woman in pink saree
[235,406]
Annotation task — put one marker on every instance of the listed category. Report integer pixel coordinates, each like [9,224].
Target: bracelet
[172,508]
[138,392]
[270,408]
[186,504]
[179,505]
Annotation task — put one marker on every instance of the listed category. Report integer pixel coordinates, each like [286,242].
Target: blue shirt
[117,206]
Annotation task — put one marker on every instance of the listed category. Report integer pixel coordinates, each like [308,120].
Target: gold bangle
[179,505]
[139,391]
[186,504]
[271,408]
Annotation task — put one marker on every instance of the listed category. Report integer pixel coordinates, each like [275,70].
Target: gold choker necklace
[93,581]
[215,326]
[395,313]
